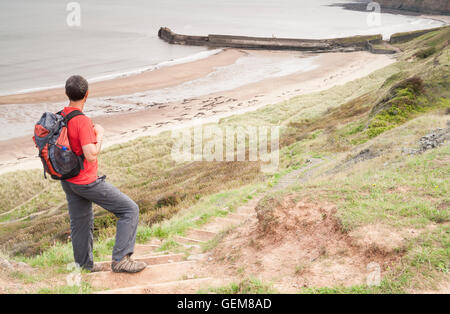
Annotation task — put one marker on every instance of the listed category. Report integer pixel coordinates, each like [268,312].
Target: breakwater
[353,43]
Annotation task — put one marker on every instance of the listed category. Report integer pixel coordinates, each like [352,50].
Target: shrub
[425,53]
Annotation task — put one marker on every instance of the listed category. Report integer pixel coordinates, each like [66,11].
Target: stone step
[241,216]
[144,249]
[199,234]
[186,240]
[219,224]
[250,210]
[188,286]
[192,248]
[230,220]
[150,275]
[253,202]
[150,260]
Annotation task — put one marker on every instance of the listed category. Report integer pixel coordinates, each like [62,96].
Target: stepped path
[169,272]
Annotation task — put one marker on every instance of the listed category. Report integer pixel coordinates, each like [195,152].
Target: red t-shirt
[81,132]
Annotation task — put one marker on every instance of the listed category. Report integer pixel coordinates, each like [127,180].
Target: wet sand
[333,69]
[155,79]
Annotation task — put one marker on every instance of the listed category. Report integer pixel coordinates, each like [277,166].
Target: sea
[42,42]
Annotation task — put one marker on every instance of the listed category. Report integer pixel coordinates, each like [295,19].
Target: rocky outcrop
[433,139]
[422,6]
[353,43]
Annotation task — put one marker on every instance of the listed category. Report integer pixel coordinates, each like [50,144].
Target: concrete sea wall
[372,43]
[353,43]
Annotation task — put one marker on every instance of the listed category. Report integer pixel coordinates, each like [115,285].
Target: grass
[361,289]
[403,37]
[217,205]
[408,191]
[249,285]
[389,109]
[403,192]
[148,175]
[358,39]
[60,255]
[425,53]
[84,288]
[26,278]
[211,244]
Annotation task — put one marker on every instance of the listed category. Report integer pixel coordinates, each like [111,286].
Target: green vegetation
[425,53]
[358,39]
[404,101]
[216,205]
[407,36]
[247,286]
[211,244]
[84,288]
[381,113]
[159,185]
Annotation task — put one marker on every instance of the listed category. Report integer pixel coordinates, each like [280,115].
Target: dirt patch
[383,239]
[298,244]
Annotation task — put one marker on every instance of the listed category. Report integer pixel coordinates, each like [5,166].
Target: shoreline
[162,77]
[124,86]
[333,69]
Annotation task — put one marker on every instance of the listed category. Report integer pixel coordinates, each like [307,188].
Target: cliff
[422,6]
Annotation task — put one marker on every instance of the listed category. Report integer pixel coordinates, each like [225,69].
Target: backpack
[51,138]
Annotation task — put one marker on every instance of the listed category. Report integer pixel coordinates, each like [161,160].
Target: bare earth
[334,69]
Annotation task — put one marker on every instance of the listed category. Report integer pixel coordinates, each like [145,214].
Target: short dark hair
[76,87]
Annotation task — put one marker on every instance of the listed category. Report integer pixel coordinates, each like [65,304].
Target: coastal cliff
[422,6]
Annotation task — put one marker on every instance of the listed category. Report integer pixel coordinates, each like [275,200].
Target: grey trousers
[80,199]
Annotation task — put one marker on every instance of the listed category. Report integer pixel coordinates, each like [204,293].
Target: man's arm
[91,151]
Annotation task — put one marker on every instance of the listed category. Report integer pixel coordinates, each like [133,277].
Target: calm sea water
[39,50]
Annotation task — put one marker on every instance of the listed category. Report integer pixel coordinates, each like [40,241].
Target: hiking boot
[96,268]
[127,265]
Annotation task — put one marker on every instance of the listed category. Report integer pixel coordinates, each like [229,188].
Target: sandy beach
[332,69]
[159,78]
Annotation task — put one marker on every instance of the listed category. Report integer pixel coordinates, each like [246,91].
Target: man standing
[87,188]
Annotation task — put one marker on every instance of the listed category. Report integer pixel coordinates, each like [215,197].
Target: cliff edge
[422,6]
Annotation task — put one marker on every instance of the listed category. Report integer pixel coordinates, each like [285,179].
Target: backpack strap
[68,117]
[71,115]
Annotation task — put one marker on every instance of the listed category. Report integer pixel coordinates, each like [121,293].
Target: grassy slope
[334,125]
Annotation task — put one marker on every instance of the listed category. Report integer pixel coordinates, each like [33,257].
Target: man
[87,188]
